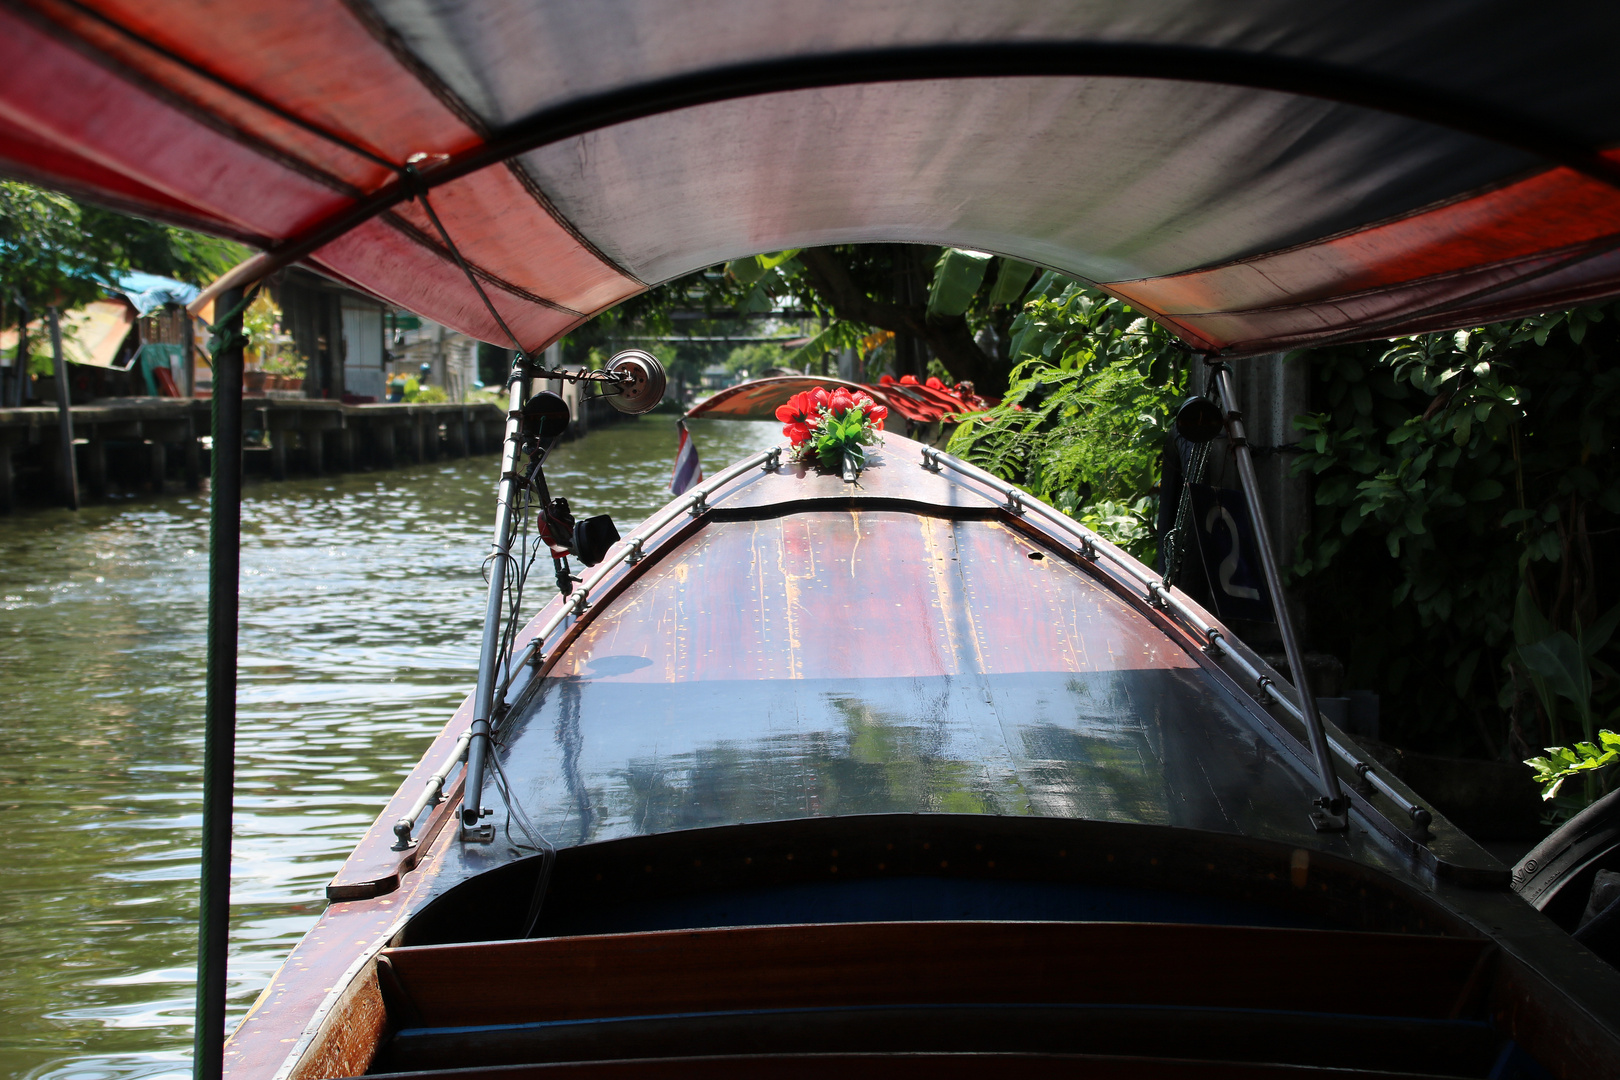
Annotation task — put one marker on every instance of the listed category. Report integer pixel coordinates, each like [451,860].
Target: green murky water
[360,604]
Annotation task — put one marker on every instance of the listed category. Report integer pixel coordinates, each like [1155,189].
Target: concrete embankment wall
[148,444]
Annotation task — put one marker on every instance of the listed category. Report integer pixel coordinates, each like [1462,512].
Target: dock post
[193,452]
[345,438]
[413,439]
[7,483]
[314,443]
[278,454]
[67,476]
[157,459]
[384,438]
[219,745]
[455,434]
[95,463]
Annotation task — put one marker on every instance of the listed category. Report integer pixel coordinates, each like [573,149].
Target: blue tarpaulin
[148,291]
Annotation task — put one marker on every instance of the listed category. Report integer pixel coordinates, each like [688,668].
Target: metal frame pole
[69,477]
[1332,807]
[219,747]
[472,797]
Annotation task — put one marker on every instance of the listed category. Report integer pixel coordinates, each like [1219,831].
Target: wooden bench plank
[1460,1048]
[903,1066]
[848,964]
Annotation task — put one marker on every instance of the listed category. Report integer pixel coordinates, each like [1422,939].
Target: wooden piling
[382,441]
[414,441]
[193,449]
[95,462]
[278,455]
[67,476]
[157,463]
[363,436]
[8,496]
[346,449]
[455,434]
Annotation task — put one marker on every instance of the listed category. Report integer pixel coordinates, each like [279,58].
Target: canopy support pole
[67,477]
[489,652]
[219,747]
[1331,814]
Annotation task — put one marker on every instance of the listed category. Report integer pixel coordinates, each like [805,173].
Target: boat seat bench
[1436,1047]
[1206,996]
[921,1066]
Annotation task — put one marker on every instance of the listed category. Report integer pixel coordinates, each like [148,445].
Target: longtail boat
[883,768]
[857,776]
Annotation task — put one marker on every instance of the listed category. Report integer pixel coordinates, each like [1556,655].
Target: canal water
[361,600]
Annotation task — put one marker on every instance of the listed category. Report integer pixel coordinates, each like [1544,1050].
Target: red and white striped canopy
[1255,174]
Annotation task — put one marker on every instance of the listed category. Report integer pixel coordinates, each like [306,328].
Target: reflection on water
[361,599]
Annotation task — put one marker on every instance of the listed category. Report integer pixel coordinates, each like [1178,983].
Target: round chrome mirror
[641,386]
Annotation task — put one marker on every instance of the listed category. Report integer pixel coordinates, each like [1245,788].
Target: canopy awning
[1255,174]
[92,335]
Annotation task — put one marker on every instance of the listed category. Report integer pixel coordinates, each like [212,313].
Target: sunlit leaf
[1012,277]
[957,277]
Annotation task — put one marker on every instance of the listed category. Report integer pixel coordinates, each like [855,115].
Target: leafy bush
[1093,391]
[1469,478]
[427,395]
[1584,759]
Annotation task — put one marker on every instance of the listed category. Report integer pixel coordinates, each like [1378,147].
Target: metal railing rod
[1332,806]
[432,791]
[1095,547]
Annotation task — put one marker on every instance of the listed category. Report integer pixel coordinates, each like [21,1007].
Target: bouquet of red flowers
[830,427]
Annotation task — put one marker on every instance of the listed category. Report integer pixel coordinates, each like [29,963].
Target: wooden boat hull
[829,749]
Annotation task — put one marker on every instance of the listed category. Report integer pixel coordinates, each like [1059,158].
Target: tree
[54,250]
[910,308]
[1084,421]
[940,304]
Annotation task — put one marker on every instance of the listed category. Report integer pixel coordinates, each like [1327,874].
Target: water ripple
[361,598]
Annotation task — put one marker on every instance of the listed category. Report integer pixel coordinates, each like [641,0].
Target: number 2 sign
[1231,561]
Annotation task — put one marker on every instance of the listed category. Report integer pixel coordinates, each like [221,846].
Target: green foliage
[45,257]
[1470,478]
[427,395]
[838,336]
[269,346]
[1585,760]
[1093,392]
[957,277]
[763,278]
[56,250]
[837,437]
[1011,282]
[874,303]
[755,357]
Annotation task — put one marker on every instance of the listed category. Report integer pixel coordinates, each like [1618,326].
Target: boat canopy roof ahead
[1253,174]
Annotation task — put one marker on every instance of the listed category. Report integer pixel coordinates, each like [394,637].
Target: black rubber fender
[1556,876]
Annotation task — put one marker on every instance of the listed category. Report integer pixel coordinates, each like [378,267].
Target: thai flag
[688,471]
